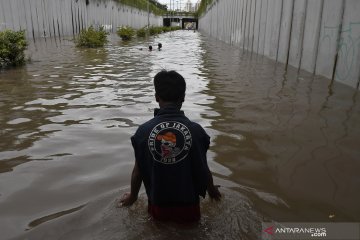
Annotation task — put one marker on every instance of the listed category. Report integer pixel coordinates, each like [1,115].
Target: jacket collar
[170,109]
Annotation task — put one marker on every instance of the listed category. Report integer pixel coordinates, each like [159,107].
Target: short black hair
[170,86]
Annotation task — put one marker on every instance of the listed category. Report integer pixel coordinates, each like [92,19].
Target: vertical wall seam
[245,24]
[241,24]
[45,19]
[211,21]
[79,20]
[23,4]
[249,22]
[318,35]
[237,22]
[258,43]
[19,17]
[266,19]
[54,29]
[279,34]
[18,7]
[338,39]
[37,19]
[2,9]
[83,18]
[217,17]
[303,35]
[223,23]
[290,35]
[48,17]
[252,42]
[358,83]
[12,17]
[58,26]
[32,22]
[231,20]
[72,18]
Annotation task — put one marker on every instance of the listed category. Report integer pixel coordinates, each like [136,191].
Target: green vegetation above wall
[203,6]
[12,47]
[155,7]
[92,38]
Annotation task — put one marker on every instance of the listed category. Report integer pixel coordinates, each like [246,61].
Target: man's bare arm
[212,189]
[136,179]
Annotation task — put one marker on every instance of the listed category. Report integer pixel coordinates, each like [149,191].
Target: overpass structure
[184,20]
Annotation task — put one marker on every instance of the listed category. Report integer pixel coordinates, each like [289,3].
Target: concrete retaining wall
[319,36]
[54,18]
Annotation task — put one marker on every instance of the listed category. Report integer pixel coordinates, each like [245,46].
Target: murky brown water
[285,146]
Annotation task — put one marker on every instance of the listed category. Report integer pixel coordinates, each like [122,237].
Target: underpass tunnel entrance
[184,23]
[190,23]
[171,22]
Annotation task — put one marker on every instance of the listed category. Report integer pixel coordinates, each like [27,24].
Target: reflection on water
[299,135]
[101,219]
[284,145]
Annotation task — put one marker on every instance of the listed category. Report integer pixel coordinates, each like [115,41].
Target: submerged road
[284,144]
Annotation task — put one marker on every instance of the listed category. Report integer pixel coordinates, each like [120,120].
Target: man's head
[170,87]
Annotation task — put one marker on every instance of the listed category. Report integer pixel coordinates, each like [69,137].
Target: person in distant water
[159,46]
[170,157]
[150,48]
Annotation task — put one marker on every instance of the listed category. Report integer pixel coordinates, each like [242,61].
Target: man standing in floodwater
[170,157]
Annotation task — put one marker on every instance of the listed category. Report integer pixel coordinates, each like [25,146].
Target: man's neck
[170,105]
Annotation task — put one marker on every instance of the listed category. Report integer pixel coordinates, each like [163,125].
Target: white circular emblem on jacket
[169,142]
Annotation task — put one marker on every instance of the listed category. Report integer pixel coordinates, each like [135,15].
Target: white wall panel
[319,36]
[348,63]
[330,24]
[297,32]
[311,35]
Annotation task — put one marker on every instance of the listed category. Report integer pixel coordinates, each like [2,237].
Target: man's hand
[127,200]
[213,191]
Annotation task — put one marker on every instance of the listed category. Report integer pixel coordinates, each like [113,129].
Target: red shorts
[181,214]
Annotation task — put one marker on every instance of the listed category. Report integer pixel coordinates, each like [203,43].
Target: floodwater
[285,145]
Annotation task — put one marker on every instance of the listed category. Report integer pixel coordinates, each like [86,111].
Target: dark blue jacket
[171,154]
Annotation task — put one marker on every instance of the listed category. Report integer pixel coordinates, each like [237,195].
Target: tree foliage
[154,6]
[12,48]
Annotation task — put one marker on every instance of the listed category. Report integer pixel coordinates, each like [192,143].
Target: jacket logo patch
[169,142]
